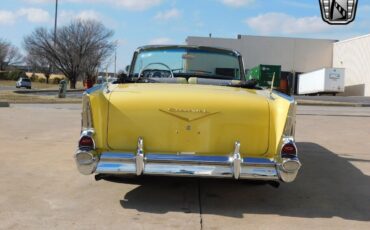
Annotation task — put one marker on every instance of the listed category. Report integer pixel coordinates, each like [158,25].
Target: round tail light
[288,150]
[86,142]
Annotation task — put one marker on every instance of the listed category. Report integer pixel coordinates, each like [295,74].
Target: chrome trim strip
[187,170]
[116,168]
[210,48]
[86,114]
[285,96]
[261,173]
[167,157]
[258,161]
[113,155]
[154,157]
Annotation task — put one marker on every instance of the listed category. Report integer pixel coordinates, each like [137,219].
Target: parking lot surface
[40,187]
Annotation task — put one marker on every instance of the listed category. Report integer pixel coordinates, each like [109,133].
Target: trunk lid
[188,119]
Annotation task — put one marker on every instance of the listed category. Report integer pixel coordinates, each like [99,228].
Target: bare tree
[40,64]
[81,47]
[9,54]
[99,51]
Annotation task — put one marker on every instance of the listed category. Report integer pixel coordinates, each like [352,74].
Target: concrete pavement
[41,188]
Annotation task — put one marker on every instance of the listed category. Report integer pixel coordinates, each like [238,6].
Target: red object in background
[284,85]
[88,84]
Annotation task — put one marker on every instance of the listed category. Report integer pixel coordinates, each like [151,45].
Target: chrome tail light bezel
[86,157]
[288,167]
[289,128]
[86,114]
[288,141]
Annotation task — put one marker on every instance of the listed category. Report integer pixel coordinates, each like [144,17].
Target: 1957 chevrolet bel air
[188,111]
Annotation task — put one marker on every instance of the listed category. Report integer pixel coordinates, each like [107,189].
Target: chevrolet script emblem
[338,12]
[188,110]
[188,114]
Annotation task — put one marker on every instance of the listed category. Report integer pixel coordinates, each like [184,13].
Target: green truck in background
[264,73]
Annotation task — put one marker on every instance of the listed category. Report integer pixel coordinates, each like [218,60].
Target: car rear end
[130,137]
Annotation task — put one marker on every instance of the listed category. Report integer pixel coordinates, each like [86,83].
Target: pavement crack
[200,205]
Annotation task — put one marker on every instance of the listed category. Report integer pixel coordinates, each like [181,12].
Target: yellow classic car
[188,111]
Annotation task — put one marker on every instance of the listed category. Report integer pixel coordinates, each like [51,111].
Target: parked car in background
[23,82]
[100,80]
[111,79]
[188,111]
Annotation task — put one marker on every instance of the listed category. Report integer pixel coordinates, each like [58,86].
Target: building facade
[295,55]
[354,55]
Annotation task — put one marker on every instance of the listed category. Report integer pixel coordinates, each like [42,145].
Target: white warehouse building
[354,55]
[300,55]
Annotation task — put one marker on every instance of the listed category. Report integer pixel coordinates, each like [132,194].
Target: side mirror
[127,69]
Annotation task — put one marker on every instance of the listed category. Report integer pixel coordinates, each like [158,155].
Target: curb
[331,103]
[47,102]
[46,91]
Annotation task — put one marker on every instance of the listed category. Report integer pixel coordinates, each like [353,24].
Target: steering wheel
[155,63]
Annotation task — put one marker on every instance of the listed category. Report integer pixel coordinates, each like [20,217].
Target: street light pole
[56,21]
[115,63]
[51,67]
[115,57]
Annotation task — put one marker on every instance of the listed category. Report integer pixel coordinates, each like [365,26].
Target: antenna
[272,83]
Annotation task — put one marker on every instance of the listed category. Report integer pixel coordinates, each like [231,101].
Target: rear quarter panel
[99,98]
[279,108]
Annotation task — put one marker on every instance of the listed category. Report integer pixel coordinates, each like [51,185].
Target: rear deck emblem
[338,12]
[188,114]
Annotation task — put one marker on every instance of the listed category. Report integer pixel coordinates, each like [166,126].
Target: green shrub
[42,80]
[15,75]
[56,80]
[3,75]
[34,77]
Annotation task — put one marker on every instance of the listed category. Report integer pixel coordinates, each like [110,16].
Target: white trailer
[327,80]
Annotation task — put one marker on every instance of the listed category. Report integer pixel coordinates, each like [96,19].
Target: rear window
[26,79]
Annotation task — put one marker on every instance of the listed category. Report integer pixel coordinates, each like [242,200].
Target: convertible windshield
[178,62]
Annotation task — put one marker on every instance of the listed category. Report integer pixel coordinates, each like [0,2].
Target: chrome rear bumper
[191,165]
[187,165]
